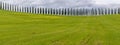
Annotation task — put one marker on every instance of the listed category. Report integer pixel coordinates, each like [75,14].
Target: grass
[37,29]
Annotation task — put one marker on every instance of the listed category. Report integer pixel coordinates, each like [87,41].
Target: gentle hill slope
[35,29]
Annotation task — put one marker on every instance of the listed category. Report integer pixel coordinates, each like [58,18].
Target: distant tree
[118,10]
[0,5]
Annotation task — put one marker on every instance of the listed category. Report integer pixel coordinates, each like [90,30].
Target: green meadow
[36,29]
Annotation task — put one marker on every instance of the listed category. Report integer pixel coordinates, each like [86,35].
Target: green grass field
[36,29]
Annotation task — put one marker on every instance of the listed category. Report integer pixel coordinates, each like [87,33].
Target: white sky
[63,3]
[106,2]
